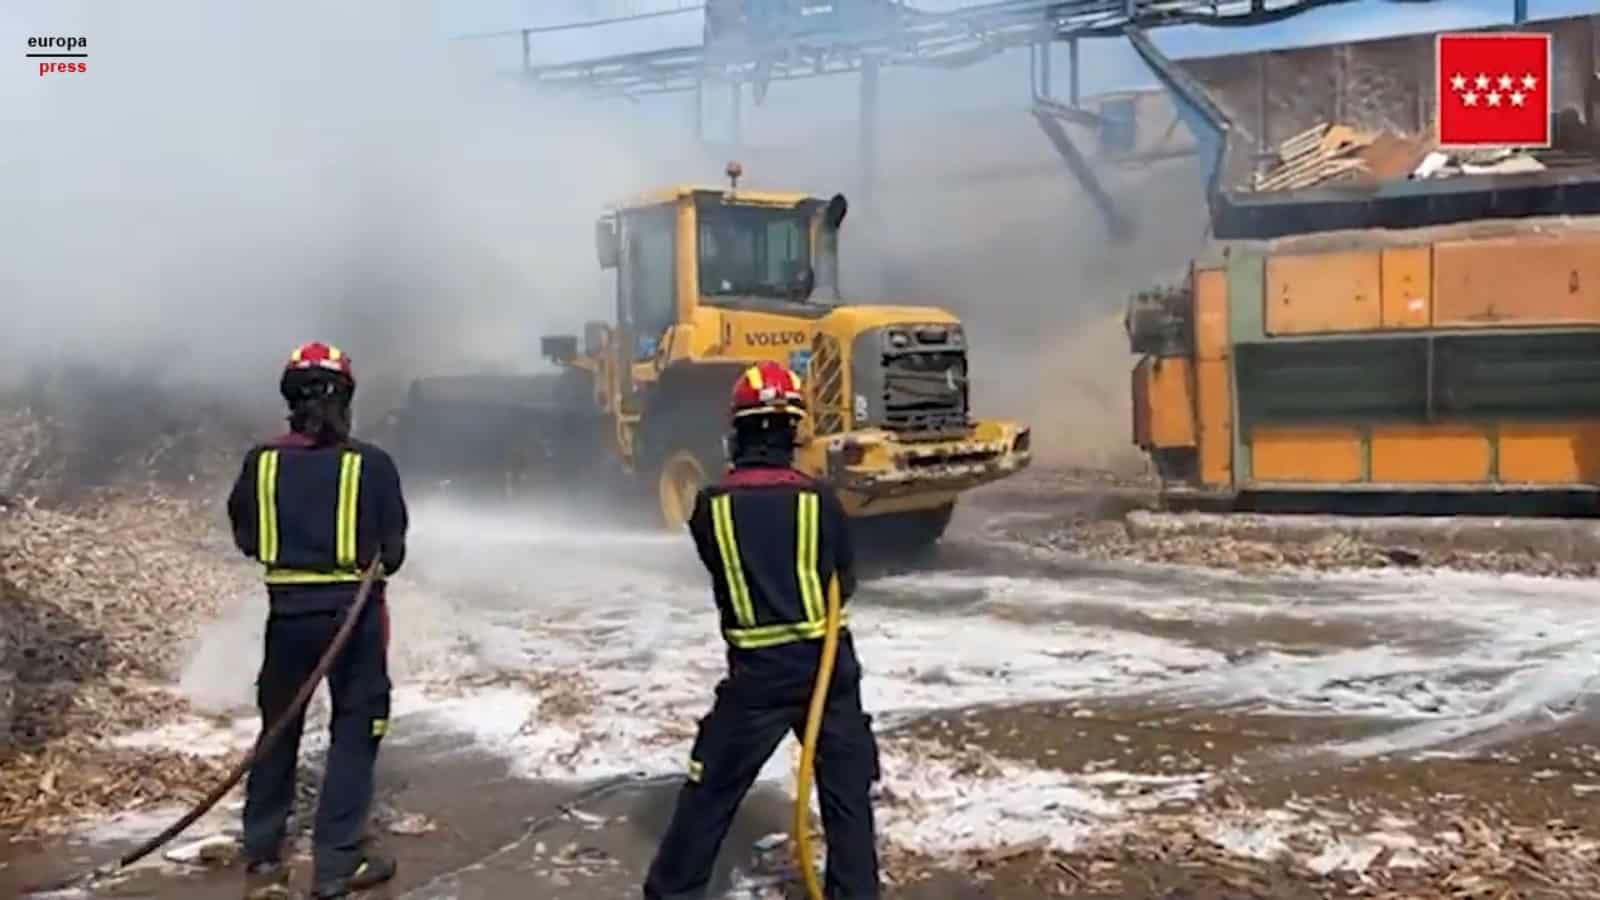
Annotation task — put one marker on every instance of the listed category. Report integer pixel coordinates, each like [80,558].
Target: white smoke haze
[227,181]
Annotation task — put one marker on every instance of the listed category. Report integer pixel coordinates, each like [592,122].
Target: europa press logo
[59,55]
[1494,90]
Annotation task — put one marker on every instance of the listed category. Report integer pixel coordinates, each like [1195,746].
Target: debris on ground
[212,850]
[1065,512]
[1111,540]
[99,600]
[1169,858]
[55,788]
[412,825]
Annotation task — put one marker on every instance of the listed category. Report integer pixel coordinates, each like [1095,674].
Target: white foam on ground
[932,805]
[1273,834]
[630,618]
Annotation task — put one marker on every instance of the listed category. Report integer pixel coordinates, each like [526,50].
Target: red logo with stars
[1494,90]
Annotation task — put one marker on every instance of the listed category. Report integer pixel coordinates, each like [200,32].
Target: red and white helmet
[319,356]
[768,388]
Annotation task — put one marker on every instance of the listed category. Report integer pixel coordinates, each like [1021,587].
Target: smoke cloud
[227,181]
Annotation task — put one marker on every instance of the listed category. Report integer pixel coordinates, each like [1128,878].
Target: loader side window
[650,305]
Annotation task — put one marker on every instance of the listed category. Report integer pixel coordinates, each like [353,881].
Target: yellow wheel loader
[708,281]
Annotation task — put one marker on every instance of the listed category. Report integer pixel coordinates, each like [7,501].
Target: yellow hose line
[808,747]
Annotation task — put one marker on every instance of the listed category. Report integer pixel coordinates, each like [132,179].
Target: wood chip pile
[71,431]
[98,604]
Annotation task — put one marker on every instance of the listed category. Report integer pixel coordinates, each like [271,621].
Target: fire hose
[808,746]
[802,804]
[267,739]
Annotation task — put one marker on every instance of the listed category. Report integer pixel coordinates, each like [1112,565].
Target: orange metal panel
[1323,292]
[1523,280]
[1430,453]
[1553,453]
[1407,287]
[1305,454]
[1141,404]
[1215,415]
[1169,385]
[1210,313]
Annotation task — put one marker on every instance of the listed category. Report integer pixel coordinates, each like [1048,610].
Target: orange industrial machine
[1406,330]
[1463,361]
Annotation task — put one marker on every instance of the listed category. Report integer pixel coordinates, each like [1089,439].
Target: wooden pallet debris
[1314,156]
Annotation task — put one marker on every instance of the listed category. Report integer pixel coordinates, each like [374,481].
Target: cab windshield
[754,252]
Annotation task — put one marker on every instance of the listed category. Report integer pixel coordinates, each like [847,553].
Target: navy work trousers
[746,723]
[358,683]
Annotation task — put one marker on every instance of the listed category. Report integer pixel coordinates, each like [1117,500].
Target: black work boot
[266,879]
[372,871]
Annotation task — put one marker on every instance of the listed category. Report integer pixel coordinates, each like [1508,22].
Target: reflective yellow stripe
[753,375]
[772,635]
[738,592]
[345,525]
[345,518]
[303,576]
[267,507]
[805,556]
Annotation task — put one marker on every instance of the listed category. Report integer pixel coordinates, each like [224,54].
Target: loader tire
[682,455]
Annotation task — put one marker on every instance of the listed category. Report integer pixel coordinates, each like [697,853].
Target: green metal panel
[1247,280]
[1247,290]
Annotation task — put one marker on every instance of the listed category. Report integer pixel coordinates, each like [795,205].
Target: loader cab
[718,248]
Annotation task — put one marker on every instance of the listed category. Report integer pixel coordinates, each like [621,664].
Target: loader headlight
[899,340]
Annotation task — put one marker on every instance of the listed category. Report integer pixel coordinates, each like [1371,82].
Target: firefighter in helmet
[772,539]
[316,507]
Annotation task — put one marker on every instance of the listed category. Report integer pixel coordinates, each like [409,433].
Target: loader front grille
[827,386]
[925,392]
[911,379]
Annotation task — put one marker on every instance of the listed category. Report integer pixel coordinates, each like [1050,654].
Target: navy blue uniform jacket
[764,506]
[307,492]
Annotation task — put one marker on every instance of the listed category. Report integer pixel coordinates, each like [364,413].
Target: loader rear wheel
[679,480]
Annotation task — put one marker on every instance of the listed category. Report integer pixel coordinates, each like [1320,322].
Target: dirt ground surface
[1057,717]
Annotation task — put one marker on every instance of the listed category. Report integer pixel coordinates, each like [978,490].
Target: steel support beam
[1073,72]
[1119,225]
[1212,129]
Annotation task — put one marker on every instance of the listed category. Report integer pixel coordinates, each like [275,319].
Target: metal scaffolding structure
[874,34]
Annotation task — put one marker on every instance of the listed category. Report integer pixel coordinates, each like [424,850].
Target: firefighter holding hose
[316,507]
[772,540]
